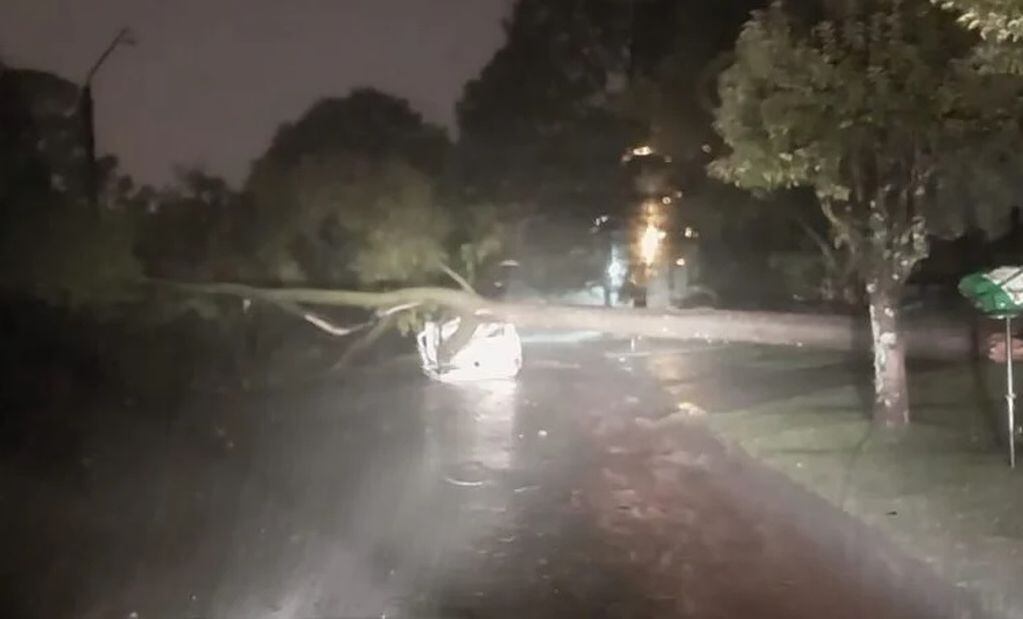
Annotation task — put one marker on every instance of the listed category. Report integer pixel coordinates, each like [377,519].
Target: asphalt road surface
[391,496]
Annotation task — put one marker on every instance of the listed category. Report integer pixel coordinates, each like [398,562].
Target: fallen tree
[931,339]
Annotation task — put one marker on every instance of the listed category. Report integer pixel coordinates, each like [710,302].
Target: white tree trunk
[891,391]
[941,340]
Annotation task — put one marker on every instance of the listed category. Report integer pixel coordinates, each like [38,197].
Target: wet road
[393,496]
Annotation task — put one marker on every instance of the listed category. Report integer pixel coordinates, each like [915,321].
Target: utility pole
[86,112]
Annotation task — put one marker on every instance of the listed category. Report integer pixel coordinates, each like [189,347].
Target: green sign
[996,293]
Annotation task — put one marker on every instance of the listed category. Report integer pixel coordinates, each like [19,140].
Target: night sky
[211,80]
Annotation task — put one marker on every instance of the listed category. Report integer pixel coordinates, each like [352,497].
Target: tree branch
[397,308]
[461,281]
[326,326]
[834,332]
[389,301]
[316,320]
[845,230]
[362,344]
[827,251]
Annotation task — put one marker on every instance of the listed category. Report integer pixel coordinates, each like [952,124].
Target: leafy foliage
[54,246]
[678,53]
[41,149]
[1000,20]
[539,128]
[1000,24]
[867,110]
[68,257]
[348,194]
[871,109]
[367,122]
[481,237]
[193,229]
[391,211]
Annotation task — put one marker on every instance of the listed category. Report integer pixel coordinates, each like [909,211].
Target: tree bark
[891,390]
[940,340]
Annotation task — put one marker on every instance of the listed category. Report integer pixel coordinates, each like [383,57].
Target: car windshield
[511,308]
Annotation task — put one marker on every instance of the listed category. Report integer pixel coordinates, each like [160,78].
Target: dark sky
[212,79]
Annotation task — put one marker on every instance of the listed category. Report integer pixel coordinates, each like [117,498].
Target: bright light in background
[653,211]
[652,235]
[680,262]
[617,271]
[650,244]
[639,151]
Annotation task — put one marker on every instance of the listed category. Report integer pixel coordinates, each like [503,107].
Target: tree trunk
[930,339]
[891,391]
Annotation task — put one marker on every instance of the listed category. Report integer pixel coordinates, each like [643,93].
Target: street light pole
[86,112]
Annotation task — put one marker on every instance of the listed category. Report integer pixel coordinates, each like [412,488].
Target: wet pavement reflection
[394,496]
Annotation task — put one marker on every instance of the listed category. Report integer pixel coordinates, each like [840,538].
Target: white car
[494,352]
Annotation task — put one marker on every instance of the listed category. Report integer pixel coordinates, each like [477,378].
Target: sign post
[999,294]
[1010,392]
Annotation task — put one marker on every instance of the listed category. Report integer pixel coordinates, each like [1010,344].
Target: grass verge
[941,490]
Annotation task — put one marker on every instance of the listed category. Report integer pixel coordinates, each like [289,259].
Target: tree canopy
[192,229]
[862,109]
[369,122]
[350,194]
[1000,20]
[53,246]
[1000,24]
[867,108]
[539,128]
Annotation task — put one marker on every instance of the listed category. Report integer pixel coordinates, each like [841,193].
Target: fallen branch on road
[818,331]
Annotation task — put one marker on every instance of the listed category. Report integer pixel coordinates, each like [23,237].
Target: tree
[380,220]
[53,246]
[349,194]
[812,331]
[1000,20]
[366,121]
[539,129]
[1000,24]
[41,142]
[865,108]
[193,229]
[542,134]
[679,52]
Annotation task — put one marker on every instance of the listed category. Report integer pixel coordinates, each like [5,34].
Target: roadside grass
[941,490]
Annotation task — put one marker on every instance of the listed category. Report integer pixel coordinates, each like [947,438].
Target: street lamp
[650,245]
[652,220]
[87,114]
